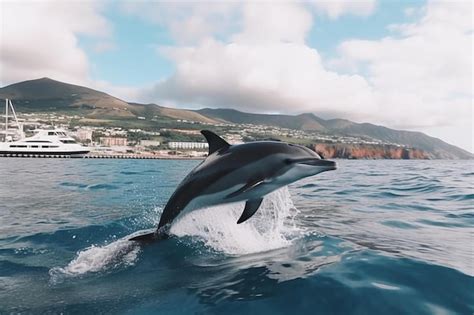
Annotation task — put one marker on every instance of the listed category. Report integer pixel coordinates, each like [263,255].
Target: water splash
[272,227]
[94,259]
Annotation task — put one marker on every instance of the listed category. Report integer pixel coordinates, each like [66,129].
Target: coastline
[104,156]
[178,157]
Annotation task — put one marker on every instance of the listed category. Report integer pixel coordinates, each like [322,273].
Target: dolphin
[234,173]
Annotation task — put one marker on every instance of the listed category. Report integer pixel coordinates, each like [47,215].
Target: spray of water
[121,253]
[272,227]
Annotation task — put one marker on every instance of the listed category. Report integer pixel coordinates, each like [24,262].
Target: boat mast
[20,129]
[6,118]
[10,109]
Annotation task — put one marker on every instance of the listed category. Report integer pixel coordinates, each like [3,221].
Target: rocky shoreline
[364,151]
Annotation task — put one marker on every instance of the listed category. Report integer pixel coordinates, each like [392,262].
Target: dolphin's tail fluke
[150,237]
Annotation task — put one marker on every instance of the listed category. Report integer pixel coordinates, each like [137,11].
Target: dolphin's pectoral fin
[215,142]
[251,206]
[244,189]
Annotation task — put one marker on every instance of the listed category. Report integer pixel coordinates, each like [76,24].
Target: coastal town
[182,142]
[108,126]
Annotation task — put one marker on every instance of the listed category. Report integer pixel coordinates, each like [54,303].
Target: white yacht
[44,142]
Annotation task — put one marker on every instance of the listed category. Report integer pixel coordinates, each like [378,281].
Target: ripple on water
[102,186]
[130,172]
[74,185]
[443,223]
[399,224]
[461,197]
[347,242]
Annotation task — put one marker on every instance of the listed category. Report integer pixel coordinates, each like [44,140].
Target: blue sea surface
[373,237]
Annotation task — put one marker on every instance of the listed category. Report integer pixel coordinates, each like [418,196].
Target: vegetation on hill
[100,109]
[436,147]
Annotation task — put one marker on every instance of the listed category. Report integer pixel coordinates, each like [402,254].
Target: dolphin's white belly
[207,200]
[221,197]
[232,183]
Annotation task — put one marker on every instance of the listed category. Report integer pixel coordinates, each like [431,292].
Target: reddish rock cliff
[365,151]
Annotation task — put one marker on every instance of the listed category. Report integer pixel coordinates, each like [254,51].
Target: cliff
[99,108]
[364,151]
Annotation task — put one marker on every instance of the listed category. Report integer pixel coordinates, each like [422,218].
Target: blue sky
[401,64]
[136,41]
[133,61]
[328,33]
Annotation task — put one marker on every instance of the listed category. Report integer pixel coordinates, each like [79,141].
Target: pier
[100,156]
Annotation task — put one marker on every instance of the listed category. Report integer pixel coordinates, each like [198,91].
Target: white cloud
[410,11]
[271,77]
[254,56]
[265,67]
[126,93]
[419,78]
[189,22]
[422,76]
[104,46]
[41,39]
[335,9]
[276,22]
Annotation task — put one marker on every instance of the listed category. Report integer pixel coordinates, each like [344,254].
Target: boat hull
[43,152]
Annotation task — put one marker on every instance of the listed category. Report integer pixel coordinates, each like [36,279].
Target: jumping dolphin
[233,173]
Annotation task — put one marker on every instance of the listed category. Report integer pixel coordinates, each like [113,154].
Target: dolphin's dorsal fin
[215,142]
[251,206]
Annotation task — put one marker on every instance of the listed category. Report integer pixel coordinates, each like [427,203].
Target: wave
[272,227]
[89,187]
[95,259]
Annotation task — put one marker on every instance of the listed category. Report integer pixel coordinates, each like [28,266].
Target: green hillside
[437,147]
[98,108]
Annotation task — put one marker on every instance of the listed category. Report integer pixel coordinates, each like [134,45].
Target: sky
[401,64]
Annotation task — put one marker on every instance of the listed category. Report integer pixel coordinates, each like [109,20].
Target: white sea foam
[271,227]
[121,253]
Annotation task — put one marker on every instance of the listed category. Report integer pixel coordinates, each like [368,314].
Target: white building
[188,145]
[83,134]
[149,143]
[113,141]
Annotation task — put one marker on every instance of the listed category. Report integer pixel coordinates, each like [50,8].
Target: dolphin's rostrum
[233,173]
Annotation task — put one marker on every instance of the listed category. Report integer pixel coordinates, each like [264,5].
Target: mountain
[46,94]
[49,94]
[98,107]
[300,122]
[343,127]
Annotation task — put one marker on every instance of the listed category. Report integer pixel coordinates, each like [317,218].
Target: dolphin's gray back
[203,178]
[244,172]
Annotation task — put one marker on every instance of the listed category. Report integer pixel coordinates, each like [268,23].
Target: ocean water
[373,237]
